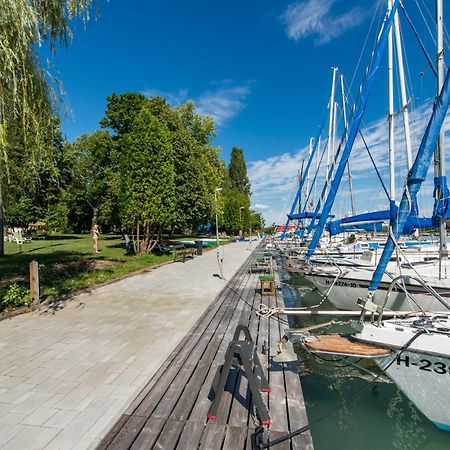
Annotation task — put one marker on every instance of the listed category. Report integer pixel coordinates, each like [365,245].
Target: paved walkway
[66,376]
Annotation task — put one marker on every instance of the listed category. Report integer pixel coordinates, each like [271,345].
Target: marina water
[377,416]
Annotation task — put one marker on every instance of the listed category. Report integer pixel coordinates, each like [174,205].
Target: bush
[16,297]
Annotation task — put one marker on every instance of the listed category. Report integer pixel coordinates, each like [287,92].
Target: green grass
[67,263]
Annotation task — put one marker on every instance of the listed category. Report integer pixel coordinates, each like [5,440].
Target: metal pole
[317,168]
[311,141]
[391,110]
[439,154]
[330,126]
[401,76]
[217,218]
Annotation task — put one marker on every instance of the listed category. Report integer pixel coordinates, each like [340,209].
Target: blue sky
[261,68]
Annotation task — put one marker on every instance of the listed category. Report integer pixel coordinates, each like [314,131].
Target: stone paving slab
[67,375]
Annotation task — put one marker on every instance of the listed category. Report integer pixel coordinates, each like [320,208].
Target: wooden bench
[181,252]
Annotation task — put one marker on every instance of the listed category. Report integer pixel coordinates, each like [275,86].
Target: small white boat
[414,352]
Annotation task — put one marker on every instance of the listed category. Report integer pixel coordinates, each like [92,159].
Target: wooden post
[34,282]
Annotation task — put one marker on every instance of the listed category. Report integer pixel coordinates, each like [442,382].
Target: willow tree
[27,102]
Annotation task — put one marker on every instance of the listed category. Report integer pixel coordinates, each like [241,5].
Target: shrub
[16,296]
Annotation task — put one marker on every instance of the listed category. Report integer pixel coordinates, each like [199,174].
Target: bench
[181,252]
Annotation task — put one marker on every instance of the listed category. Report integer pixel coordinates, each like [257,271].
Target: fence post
[34,282]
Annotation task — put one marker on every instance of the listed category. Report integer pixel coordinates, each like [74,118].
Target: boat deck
[171,410]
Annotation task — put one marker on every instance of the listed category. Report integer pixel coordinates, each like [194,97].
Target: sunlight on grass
[67,263]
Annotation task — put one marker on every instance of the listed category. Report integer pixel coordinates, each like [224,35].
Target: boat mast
[311,141]
[404,99]
[330,129]
[344,115]
[317,168]
[439,153]
[391,114]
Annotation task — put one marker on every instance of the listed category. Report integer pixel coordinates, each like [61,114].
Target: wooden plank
[128,433]
[169,436]
[235,438]
[277,398]
[212,437]
[340,344]
[106,441]
[285,445]
[149,434]
[190,437]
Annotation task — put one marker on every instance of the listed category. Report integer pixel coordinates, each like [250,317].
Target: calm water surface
[380,418]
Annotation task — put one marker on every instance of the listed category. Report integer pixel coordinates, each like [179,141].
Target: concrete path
[66,376]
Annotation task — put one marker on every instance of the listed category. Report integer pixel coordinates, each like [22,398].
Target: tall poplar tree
[237,172]
[236,214]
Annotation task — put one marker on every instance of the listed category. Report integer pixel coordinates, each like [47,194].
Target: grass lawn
[67,262]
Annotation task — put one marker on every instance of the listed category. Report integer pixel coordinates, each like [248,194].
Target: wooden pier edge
[171,410]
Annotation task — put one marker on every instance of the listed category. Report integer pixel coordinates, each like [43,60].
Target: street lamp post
[217,218]
[219,261]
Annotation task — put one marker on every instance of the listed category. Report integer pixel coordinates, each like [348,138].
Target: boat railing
[426,287]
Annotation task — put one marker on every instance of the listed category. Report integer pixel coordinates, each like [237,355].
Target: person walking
[95,238]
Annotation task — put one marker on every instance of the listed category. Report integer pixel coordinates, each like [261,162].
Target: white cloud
[316,18]
[173,98]
[222,103]
[260,206]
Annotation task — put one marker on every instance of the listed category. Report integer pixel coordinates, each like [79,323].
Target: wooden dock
[171,411]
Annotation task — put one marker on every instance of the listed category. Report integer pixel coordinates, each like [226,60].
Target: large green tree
[90,198]
[197,165]
[26,100]
[146,179]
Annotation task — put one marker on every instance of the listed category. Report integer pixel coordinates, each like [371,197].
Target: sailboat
[413,350]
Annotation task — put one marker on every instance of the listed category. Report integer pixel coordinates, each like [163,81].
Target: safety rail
[422,283]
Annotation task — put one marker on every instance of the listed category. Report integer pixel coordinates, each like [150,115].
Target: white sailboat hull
[425,380]
[353,284]
[422,369]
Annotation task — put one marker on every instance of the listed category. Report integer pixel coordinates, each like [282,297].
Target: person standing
[95,238]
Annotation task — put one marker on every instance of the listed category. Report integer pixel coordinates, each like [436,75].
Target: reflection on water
[378,416]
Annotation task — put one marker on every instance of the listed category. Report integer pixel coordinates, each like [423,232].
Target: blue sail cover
[415,178]
[441,195]
[353,130]
[304,215]
[373,222]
